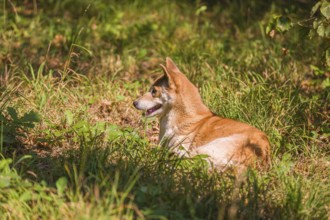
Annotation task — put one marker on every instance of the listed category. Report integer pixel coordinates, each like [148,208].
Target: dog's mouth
[153,109]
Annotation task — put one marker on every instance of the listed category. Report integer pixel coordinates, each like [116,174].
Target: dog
[191,129]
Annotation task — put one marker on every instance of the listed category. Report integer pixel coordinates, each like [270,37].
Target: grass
[73,147]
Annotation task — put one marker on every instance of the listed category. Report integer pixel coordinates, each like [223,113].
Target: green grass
[73,146]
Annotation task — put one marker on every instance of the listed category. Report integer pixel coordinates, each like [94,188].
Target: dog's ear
[172,73]
[168,77]
[171,67]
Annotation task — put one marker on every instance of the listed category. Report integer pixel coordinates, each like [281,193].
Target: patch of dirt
[125,116]
[310,167]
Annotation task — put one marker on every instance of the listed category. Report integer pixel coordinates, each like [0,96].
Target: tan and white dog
[190,128]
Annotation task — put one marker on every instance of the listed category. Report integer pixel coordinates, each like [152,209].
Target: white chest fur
[169,135]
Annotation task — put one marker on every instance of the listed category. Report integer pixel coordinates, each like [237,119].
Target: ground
[73,146]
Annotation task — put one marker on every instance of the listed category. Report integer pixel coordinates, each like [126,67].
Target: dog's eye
[153,91]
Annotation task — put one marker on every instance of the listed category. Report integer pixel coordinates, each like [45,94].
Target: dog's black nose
[135,103]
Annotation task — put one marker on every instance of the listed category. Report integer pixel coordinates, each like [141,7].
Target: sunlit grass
[79,65]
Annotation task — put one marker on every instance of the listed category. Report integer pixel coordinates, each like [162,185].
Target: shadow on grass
[162,184]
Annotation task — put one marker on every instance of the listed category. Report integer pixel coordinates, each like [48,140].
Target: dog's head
[162,95]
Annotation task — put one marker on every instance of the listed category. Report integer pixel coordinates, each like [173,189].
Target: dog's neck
[178,126]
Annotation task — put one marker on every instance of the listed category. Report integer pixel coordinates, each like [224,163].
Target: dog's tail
[261,148]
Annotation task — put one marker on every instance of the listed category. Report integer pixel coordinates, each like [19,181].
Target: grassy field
[73,147]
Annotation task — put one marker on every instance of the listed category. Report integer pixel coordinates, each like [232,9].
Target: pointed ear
[170,65]
[168,76]
[172,73]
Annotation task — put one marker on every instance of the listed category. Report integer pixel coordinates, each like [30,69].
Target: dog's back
[230,142]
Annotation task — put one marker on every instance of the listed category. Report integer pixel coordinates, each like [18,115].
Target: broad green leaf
[68,117]
[61,185]
[268,29]
[326,83]
[120,98]
[327,58]
[315,8]
[30,117]
[112,132]
[58,133]
[316,23]
[201,10]
[201,156]
[100,126]
[325,9]
[4,164]
[12,112]
[321,30]
[4,181]
[283,24]
[26,196]
[327,31]
[142,53]
[81,124]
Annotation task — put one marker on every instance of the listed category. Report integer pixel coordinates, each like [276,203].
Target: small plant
[317,25]
[321,23]
[13,126]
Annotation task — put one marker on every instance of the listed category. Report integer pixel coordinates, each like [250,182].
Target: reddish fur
[195,121]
